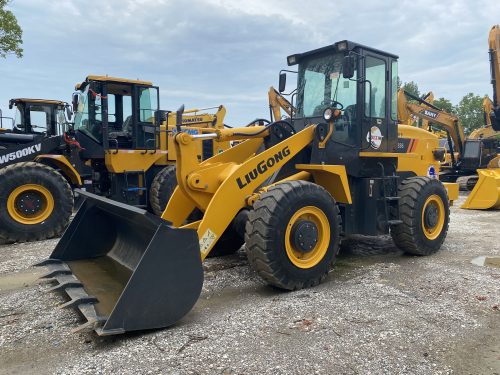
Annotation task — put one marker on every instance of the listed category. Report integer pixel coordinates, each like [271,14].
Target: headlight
[328,114]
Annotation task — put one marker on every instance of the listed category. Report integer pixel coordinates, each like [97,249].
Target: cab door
[375,133]
[146,103]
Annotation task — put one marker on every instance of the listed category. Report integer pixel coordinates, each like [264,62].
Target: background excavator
[340,165]
[486,192]
[475,158]
[117,148]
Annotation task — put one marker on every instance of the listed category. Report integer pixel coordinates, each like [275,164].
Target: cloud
[211,52]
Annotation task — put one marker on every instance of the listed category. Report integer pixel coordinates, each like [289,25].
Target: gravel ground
[379,312]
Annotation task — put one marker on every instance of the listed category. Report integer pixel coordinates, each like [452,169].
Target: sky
[204,53]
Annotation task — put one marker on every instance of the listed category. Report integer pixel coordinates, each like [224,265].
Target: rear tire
[36,202]
[425,212]
[293,235]
[162,188]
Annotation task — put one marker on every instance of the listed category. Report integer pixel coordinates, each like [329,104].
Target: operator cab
[40,116]
[116,113]
[357,80]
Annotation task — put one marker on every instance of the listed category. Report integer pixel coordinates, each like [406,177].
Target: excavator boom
[494,52]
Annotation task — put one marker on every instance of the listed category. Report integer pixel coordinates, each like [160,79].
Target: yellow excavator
[467,159]
[486,192]
[340,165]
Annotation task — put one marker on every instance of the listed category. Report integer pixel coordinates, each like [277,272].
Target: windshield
[82,121]
[320,81]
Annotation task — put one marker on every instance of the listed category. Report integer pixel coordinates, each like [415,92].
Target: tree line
[469,109]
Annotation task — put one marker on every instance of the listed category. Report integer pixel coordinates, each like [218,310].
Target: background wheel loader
[117,148]
[35,200]
[340,165]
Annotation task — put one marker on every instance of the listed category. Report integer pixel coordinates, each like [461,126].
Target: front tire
[293,234]
[425,211]
[36,202]
[162,188]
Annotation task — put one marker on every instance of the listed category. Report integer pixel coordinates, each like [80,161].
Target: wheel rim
[30,204]
[433,217]
[305,255]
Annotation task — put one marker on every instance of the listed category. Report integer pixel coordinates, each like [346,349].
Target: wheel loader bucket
[486,193]
[126,269]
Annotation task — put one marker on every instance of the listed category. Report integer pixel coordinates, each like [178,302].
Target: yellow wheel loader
[116,148]
[340,165]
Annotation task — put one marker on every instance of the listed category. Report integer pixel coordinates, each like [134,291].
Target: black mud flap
[126,269]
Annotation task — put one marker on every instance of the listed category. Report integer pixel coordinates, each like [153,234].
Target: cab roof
[41,101]
[343,45]
[112,79]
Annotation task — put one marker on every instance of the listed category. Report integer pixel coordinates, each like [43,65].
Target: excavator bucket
[486,193]
[125,269]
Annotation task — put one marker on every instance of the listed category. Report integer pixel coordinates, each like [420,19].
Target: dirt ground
[379,312]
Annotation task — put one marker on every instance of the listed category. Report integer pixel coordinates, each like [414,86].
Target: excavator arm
[277,102]
[494,52]
[429,112]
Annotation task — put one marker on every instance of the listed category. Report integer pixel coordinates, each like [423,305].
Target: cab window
[39,118]
[148,104]
[375,95]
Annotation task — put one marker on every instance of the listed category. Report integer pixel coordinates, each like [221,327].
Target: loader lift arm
[220,186]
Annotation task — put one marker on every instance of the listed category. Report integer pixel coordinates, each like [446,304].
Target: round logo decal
[431,172]
[376,137]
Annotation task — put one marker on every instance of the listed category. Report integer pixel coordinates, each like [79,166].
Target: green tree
[445,105]
[10,32]
[412,88]
[470,111]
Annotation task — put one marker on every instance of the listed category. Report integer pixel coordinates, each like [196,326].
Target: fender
[62,162]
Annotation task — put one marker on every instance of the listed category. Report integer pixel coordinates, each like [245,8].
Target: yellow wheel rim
[433,217]
[30,204]
[310,258]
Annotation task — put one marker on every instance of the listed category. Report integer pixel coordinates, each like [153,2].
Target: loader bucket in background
[125,269]
[486,193]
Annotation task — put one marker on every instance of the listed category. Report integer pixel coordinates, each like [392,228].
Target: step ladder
[135,189]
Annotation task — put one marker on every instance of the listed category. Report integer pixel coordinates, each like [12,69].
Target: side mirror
[75,102]
[282,83]
[348,66]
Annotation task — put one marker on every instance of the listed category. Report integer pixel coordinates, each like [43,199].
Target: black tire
[44,178]
[410,236]
[162,188]
[270,219]
[233,237]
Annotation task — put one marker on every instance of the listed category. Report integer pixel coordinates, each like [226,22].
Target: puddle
[19,280]
[486,261]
